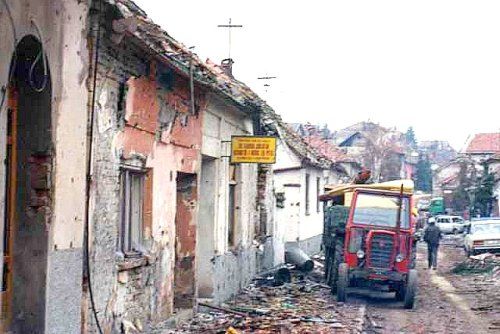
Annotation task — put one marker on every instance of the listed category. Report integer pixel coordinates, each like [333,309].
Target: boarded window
[307,193]
[132,211]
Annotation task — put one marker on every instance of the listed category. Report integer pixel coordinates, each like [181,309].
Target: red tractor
[369,239]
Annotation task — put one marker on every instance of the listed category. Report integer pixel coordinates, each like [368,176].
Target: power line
[90,133]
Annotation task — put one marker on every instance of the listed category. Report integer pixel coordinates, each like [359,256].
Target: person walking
[432,235]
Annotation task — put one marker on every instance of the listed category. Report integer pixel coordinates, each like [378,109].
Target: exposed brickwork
[134,104]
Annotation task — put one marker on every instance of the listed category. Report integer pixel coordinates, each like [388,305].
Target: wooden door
[10,195]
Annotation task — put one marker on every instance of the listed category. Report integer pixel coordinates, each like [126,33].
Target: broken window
[232,204]
[132,210]
[307,194]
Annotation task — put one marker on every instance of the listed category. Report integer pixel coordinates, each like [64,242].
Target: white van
[450,224]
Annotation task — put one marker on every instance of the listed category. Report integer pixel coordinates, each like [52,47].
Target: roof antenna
[229,26]
[266,81]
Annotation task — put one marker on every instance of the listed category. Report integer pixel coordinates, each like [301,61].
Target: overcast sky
[433,65]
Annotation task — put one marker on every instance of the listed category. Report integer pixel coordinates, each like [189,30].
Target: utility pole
[229,26]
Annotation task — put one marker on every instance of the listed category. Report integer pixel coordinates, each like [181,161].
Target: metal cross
[229,26]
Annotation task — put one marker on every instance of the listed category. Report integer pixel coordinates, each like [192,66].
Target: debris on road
[301,306]
[483,263]
[478,280]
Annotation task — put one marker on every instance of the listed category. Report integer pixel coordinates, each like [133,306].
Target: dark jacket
[432,235]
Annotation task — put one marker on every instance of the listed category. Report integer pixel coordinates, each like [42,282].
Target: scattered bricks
[39,176]
[123,277]
[301,306]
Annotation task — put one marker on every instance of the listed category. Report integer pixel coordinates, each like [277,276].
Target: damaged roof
[181,57]
[213,76]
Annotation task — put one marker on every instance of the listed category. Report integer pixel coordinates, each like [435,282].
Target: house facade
[43,118]
[228,212]
[300,176]
[119,206]
[186,215]
[483,146]
[493,164]
[374,147]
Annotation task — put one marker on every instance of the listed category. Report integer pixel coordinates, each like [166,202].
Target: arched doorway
[29,190]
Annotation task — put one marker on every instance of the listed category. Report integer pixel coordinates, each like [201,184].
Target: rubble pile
[480,264]
[481,282]
[302,306]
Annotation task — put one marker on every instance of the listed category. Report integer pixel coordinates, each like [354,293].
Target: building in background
[493,165]
[304,167]
[483,146]
[437,152]
[379,149]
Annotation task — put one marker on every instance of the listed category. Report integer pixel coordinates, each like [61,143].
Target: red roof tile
[484,143]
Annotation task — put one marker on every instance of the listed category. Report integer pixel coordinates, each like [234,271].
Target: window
[132,210]
[307,193]
[232,205]
[318,189]
[381,210]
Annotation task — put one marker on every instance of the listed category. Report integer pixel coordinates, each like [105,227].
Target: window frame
[234,174]
[126,225]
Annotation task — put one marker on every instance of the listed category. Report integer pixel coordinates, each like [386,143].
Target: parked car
[450,224]
[483,236]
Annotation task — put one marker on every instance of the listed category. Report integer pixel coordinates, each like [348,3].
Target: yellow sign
[253,149]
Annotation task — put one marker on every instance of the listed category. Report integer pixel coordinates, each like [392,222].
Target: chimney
[227,66]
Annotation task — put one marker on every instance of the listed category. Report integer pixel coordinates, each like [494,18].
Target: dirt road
[439,308]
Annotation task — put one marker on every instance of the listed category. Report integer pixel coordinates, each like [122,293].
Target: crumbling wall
[143,115]
[233,271]
[232,265]
[61,26]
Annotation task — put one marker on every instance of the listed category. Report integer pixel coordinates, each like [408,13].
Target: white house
[300,175]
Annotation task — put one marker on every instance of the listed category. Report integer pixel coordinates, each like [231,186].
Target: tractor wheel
[342,282]
[329,269]
[410,289]
[338,258]
[400,293]
[413,257]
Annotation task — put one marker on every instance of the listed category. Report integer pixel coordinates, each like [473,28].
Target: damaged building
[43,123]
[172,219]
[304,167]
[119,206]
